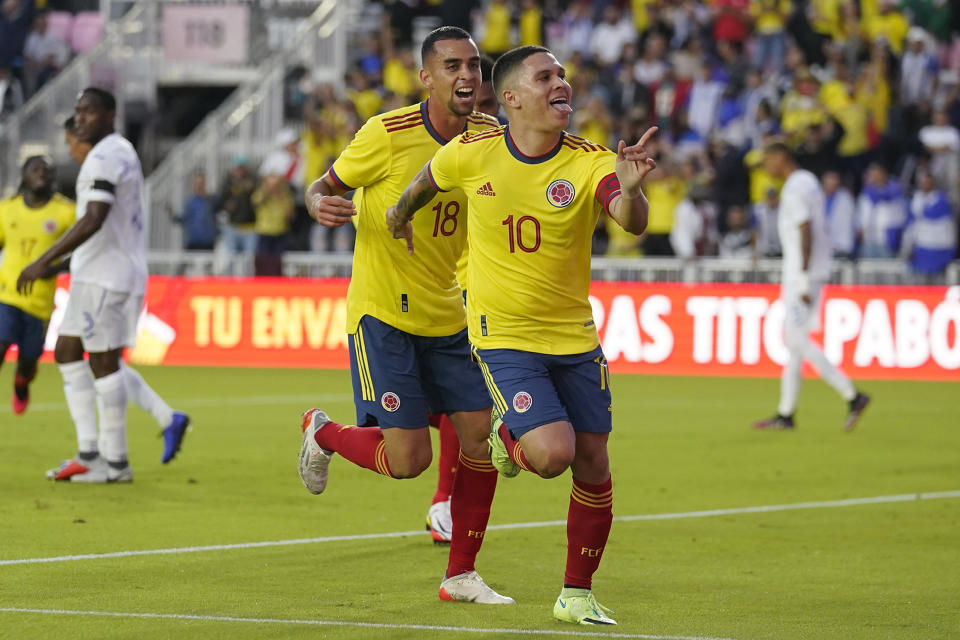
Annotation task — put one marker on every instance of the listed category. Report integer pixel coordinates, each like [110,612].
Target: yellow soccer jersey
[26,233]
[417,294]
[531,226]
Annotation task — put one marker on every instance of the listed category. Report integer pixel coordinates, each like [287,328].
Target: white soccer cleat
[470,587]
[314,462]
[440,522]
[102,473]
[67,468]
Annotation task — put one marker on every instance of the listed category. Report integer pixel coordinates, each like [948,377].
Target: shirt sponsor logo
[560,193]
[522,402]
[390,401]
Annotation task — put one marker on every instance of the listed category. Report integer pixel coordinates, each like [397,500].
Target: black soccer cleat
[857,406]
[776,423]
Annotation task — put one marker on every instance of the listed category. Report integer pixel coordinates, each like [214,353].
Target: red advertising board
[672,329]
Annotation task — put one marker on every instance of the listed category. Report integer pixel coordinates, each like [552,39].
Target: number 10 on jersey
[523,233]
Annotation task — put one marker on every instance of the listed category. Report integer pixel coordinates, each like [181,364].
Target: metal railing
[129,60]
[247,121]
[732,270]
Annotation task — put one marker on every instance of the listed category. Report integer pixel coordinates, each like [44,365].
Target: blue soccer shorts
[533,389]
[399,379]
[23,329]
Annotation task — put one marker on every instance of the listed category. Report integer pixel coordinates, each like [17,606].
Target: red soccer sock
[514,450]
[473,486]
[21,384]
[363,446]
[588,525]
[447,464]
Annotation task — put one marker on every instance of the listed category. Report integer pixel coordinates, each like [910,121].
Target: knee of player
[554,463]
[410,467]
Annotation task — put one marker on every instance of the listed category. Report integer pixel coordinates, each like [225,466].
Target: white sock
[142,395]
[112,402]
[81,402]
[790,381]
[830,374]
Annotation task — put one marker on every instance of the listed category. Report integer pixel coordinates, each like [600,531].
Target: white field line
[825,504]
[219,401]
[341,623]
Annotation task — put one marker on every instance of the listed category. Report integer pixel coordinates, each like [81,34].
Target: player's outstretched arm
[416,195]
[326,204]
[76,235]
[630,209]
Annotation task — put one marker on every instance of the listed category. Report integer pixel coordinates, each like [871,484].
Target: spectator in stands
[16,16]
[694,231]
[496,32]
[287,161]
[608,37]
[930,239]
[11,92]
[664,190]
[651,67]
[400,75]
[918,69]
[197,218]
[765,218]
[239,239]
[841,215]
[45,53]
[881,214]
[887,25]
[705,95]
[817,151]
[731,20]
[274,208]
[740,238]
[770,29]
[941,141]
[531,23]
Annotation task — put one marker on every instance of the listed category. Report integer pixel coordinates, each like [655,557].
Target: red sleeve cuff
[432,181]
[607,190]
[336,178]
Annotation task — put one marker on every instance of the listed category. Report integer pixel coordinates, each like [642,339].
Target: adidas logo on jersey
[486,190]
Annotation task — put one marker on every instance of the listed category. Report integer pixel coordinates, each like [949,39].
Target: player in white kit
[108,276]
[801,223]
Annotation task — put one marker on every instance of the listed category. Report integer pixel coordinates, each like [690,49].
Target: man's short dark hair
[780,147]
[486,68]
[506,64]
[29,161]
[104,97]
[441,33]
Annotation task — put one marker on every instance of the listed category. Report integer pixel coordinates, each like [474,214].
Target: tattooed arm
[416,195]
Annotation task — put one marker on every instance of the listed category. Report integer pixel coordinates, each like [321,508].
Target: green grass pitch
[872,571]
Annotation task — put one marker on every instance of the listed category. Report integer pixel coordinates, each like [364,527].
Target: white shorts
[104,320]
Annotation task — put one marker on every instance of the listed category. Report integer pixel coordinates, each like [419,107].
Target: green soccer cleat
[580,607]
[499,457]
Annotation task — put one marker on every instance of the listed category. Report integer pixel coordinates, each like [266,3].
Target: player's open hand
[400,228]
[634,163]
[32,272]
[331,211]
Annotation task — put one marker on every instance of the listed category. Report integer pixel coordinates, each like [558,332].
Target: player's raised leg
[173,423]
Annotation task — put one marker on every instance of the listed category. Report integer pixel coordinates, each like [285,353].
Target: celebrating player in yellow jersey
[29,223]
[534,194]
[409,354]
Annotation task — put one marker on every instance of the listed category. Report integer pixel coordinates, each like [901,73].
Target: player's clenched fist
[331,211]
[634,163]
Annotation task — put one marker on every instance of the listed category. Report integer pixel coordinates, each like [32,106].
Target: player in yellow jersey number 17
[534,193]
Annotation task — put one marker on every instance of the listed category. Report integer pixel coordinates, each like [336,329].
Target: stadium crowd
[37,39]
[867,93]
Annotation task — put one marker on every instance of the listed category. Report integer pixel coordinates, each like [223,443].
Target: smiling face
[540,91]
[452,74]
